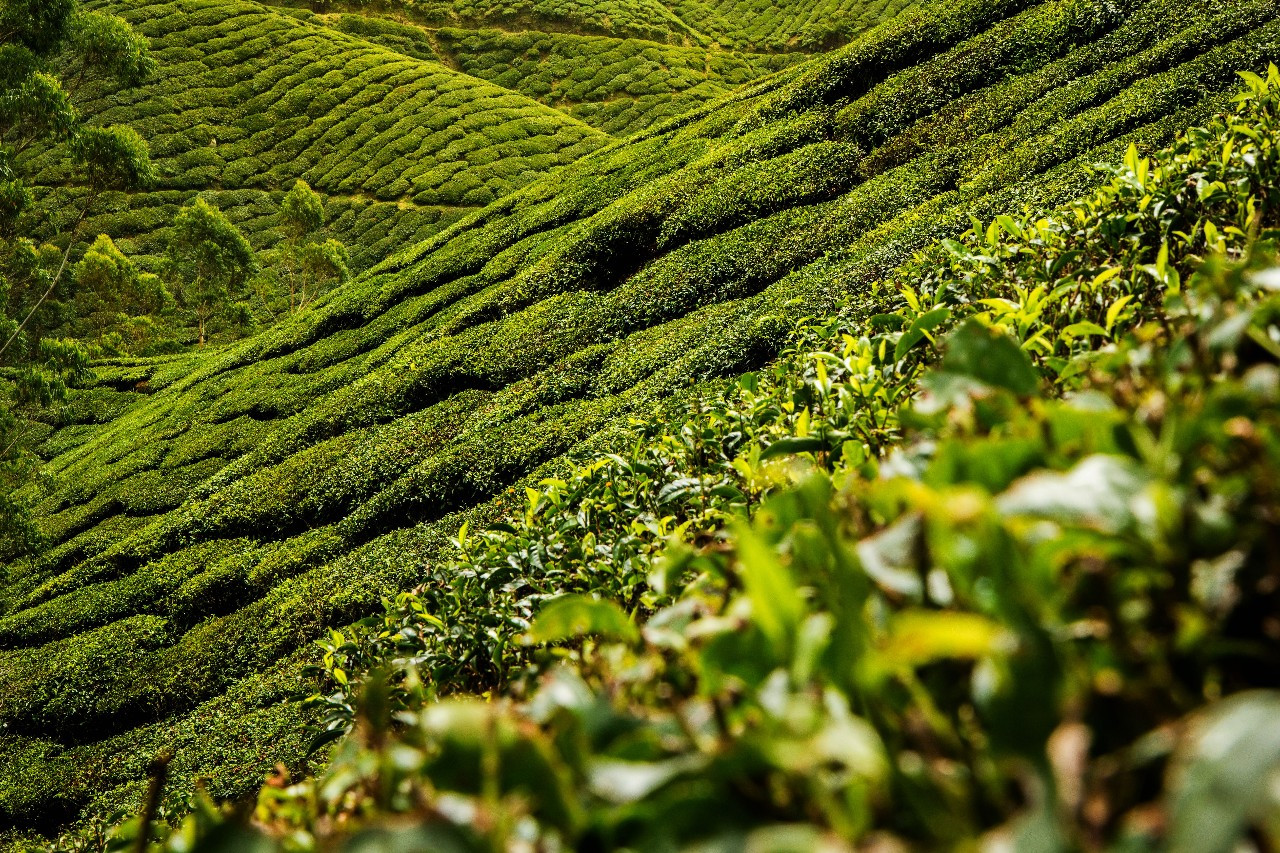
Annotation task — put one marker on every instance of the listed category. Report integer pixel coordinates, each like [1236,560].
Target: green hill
[621,67]
[210,514]
[806,26]
[752,25]
[856,597]
[248,98]
[621,85]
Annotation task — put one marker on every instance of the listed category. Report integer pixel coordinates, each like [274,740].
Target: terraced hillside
[248,98]
[765,26]
[619,66]
[619,85]
[754,25]
[210,515]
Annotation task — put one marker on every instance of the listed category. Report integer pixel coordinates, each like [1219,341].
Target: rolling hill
[248,98]
[619,83]
[210,514]
[748,25]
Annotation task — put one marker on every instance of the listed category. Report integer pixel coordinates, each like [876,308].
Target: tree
[209,262]
[41,41]
[114,298]
[306,264]
[36,37]
[104,45]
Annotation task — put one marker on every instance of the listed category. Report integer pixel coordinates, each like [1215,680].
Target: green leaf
[919,636]
[775,599]
[503,527]
[890,322]
[572,616]
[888,557]
[324,737]
[1010,226]
[1080,330]
[1226,773]
[991,357]
[729,492]
[1101,492]
[1106,276]
[623,782]
[1255,82]
[791,445]
[916,332]
[677,489]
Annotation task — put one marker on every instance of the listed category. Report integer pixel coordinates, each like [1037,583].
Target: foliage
[742,24]
[1034,605]
[115,300]
[106,45]
[37,113]
[245,100]
[351,441]
[1059,285]
[305,265]
[209,262]
[623,86]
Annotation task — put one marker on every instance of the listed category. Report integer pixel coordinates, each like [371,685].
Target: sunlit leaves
[113,158]
[574,616]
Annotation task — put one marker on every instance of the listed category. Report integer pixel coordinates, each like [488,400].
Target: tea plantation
[209,515]
[751,25]
[620,85]
[618,67]
[247,99]
[922,560]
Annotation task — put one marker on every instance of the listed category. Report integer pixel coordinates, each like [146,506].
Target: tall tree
[115,299]
[307,264]
[41,42]
[209,263]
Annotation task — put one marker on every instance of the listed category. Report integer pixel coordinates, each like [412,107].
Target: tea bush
[479,359]
[619,86]
[1061,286]
[992,565]
[738,24]
[402,38]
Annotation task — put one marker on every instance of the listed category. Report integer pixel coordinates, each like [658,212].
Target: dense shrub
[622,86]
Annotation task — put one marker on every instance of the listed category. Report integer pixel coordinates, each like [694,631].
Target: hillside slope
[210,515]
[758,26]
[619,84]
[622,86]
[249,98]
[619,66]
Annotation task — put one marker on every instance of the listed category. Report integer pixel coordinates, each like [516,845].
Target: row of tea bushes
[994,565]
[561,310]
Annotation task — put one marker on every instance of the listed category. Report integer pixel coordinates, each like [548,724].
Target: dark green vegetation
[210,515]
[46,51]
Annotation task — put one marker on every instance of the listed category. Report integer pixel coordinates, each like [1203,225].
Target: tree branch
[66,255]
